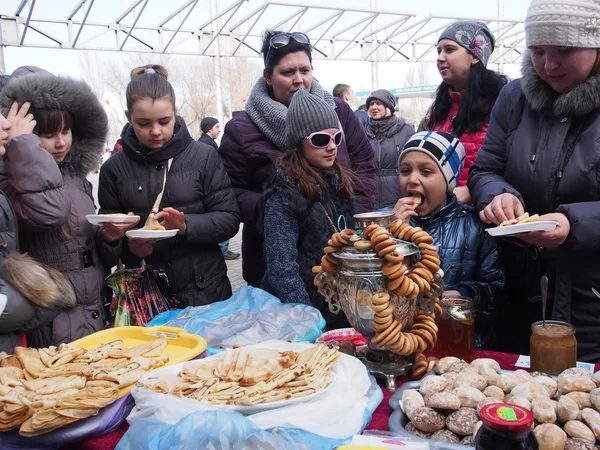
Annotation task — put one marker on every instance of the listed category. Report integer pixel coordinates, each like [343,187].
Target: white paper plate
[509,230]
[155,235]
[99,219]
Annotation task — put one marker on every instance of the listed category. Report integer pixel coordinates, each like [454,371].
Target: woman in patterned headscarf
[468,90]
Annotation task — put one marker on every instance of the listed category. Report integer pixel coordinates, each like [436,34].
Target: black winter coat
[208,140]
[197,185]
[530,131]
[296,230]
[470,260]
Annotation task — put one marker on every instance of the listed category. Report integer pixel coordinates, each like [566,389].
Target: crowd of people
[295,167]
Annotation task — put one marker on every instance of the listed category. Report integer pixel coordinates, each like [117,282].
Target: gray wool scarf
[269,115]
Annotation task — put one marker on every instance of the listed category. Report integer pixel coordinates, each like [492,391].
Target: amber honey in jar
[456,329]
[553,347]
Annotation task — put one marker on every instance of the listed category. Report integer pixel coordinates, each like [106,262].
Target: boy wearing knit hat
[211,128]
[430,164]
[309,199]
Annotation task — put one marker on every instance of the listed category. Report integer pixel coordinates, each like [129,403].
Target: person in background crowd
[118,146]
[44,175]
[540,155]
[387,134]
[310,194]
[468,91]
[256,137]
[430,165]
[17,313]
[345,92]
[211,128]
[198,201]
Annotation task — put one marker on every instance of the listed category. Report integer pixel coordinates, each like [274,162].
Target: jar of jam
[505,427]
[553,347]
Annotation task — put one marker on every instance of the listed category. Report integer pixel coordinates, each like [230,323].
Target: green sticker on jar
[507,414]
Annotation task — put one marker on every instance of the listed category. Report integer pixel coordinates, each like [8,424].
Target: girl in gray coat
[387,134]
[44,175]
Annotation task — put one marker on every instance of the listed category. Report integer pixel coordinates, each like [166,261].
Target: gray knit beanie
[307,114]
[565,23]
[385,97]
[474,36]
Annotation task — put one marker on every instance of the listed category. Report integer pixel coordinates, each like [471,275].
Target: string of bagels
[422,336]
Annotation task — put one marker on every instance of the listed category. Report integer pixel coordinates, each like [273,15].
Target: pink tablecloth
[378,422]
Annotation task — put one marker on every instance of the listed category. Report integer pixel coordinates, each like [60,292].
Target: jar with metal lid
[553,347]
[505,427]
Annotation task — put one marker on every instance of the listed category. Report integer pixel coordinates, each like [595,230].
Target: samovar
[358,278]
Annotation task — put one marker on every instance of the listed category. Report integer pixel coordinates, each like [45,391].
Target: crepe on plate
[525,218]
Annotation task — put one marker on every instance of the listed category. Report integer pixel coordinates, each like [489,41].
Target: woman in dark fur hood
[44,176]
[309,199]
[541,155]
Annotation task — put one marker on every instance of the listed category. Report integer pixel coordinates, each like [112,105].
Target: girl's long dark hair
[478,100]
[311,180]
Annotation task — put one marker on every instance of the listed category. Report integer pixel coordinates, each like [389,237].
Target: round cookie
[432,384]
[410,427]
[443,400]
[446,436]
[428,419]
[463,421]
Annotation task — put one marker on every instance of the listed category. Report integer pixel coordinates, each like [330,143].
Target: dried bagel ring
[408,345]
[394,257]
[381,336]
[317,280]
[369,230]
[381,245]
[332,259]
[427,239]
[394,284]
[336,241]
[380,308]
[379,238]
[431,247]
[397,346]
[424,273]
[400,228]
[431,364]
[392,337]
[433,259]
[347,233]
[389,268]
[379,232]
[404,287]
[379,327]
[329,249]
[383,320]
[421,344]
[388,311]
[387,250]
[433,253]
[395,225]
[397,274]
[433,267]
[362,245]
[380,298]
[425,337]
[317,269]
[402,232]
[422,317]
[417,279]
[438,310]
[410,233]
[419,234]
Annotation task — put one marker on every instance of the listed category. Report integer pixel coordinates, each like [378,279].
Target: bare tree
[414,109]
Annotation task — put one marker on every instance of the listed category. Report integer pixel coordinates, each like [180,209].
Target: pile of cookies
[446,406]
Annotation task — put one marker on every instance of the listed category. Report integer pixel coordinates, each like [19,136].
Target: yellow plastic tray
[181,346]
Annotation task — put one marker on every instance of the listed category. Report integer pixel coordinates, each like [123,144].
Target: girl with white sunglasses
[309,199]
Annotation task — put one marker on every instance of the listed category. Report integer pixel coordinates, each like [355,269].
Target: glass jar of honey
[553,347]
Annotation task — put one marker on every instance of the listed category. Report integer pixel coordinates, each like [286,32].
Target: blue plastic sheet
[218,430]
[250,316]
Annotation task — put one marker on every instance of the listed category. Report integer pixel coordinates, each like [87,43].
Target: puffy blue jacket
[470,261]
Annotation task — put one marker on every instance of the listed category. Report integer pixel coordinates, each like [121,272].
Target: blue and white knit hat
[445,149]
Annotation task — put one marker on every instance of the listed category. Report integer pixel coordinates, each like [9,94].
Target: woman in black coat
[197,200]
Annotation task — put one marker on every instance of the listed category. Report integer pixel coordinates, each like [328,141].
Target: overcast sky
[358,74]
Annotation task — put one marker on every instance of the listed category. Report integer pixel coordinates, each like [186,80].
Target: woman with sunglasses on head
[253,140]
[468,91]
[542,155]
[308,200]
[160,155]
[388,134]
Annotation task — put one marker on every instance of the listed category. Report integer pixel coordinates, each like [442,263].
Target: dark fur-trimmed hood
[90,123]
[580,100]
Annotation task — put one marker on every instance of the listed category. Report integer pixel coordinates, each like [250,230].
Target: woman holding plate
[162,165]
[541,155]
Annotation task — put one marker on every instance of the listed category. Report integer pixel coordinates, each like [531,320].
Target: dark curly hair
[277,53]
[483,89]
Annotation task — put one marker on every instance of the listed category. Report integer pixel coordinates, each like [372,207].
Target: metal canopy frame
[235,29]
